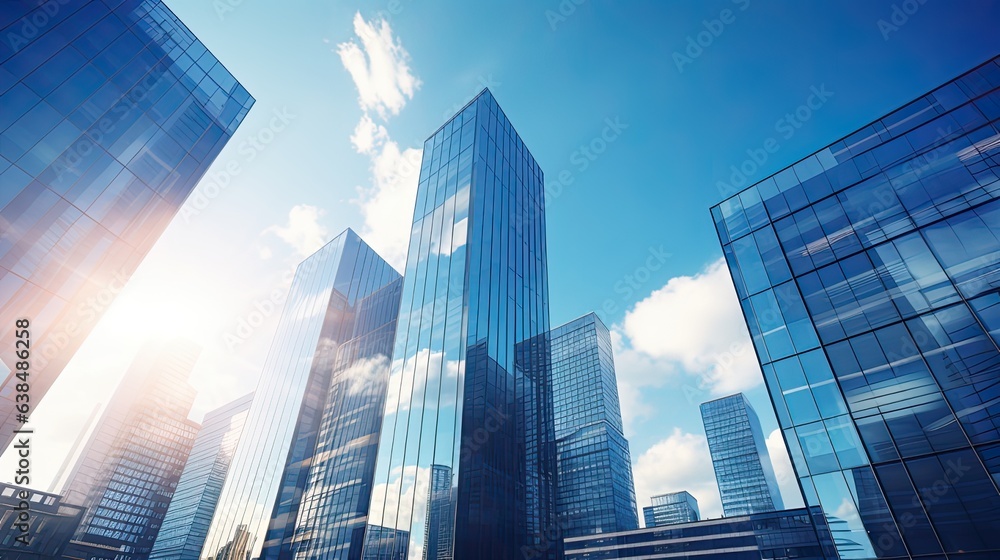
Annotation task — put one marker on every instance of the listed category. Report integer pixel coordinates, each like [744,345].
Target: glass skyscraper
[784,535]
[470,385]
[742,464]
[869,278]
[670,509]
[126,475]
[112,112]
[595,492]
[300,481]
[185,525]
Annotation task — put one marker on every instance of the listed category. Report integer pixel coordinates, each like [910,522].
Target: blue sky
[634,123]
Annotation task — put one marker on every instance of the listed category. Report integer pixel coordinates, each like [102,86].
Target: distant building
[595,492]
[671,509]
[742,464]
[193,505]
[128,472]
[785,535]
[50,523]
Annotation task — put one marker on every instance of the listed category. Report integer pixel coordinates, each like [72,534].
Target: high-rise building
[185,525]
[595,492]
[795,534]
[743,468]
[868,275]
[127,473]
[33,524]
[470,385]
[300,482]
[112,112]
[386,544]
[671,509]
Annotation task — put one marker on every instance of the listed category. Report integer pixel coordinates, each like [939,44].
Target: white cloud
[680,462]
[304,232]
[379,66]
[387,207]
[783,471]
[691,326]
[368,135]
[381,73]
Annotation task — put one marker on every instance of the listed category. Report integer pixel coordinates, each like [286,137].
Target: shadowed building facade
[869,275]
[112,113]
[464,394]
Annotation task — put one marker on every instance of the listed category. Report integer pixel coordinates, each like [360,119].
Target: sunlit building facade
[185,525]
[300,481]
[128,471]
[470,385]
[595,492]
[743,468]
[112,112]
[671,509]
[869,278]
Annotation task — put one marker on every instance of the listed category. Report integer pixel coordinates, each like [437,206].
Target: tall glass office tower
[127,473]
[595,493]
[742,464]
[185,525]
[461,396]
[300,481]
[869,278]
[671,509]
[112,112]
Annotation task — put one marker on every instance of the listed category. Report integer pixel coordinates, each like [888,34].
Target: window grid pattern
[868,274]
[595,493]
[671,509]
[742,464]
[469,388]
[261,498]
[193,505]
[789,534]
[128,472]
[112,112]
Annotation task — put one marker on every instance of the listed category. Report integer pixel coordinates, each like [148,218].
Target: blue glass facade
[671,509]
[595,492]
[742,464]
[128,472]
[463,394]
[317,403]
[784,535]
[386,544]
[185,525]
[868,274]
[112,112]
